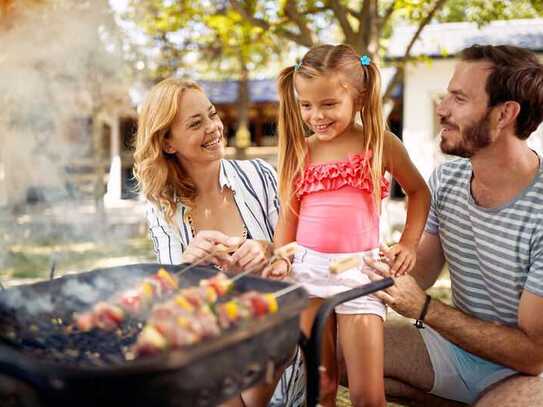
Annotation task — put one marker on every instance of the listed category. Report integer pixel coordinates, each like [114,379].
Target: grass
[33,260]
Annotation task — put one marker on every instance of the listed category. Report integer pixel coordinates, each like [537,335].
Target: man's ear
[508,114]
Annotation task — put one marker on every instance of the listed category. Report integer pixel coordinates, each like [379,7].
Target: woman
[197,200]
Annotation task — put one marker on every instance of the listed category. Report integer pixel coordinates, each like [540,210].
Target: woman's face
[196,134]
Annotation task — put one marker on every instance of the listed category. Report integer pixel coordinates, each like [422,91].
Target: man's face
[464,113]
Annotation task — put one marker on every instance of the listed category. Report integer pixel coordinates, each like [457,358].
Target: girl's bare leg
[361,338]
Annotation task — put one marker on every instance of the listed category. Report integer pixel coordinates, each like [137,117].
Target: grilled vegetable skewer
[108,315]
[173,325]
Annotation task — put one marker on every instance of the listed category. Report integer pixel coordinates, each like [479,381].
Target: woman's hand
[204,246]
[252,255]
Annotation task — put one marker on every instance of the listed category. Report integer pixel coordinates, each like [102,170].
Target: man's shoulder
[454,167]
[452,172]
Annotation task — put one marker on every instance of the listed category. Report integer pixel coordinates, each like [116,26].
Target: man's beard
[473,138]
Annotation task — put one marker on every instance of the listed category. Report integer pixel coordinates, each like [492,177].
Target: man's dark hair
[516,76]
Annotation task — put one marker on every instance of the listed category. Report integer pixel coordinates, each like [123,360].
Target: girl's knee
[360,399]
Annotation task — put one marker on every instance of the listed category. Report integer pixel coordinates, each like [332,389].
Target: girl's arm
[400,166]
[285,232]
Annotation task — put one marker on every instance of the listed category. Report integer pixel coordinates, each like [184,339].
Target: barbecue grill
[45,361]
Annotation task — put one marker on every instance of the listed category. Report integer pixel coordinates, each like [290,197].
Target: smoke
[61,65]
[32,305]
[59,62]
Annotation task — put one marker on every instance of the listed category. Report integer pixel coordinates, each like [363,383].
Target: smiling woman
[197,201]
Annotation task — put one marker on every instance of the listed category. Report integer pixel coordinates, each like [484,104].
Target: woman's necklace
[193,230]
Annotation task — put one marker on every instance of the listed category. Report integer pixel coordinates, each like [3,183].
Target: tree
[229,45]
[366,24]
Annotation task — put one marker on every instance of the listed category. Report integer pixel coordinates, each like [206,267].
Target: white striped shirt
[254,183]
[493,254]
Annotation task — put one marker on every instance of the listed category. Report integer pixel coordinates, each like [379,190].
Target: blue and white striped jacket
[254,183]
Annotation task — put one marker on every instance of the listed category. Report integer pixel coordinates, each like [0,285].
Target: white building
[426,81]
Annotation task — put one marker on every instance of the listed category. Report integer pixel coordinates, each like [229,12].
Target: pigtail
[291,136]
[374,126]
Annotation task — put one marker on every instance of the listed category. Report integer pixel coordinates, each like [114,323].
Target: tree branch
[249,17]
[303,38]
[397,76]
[387,15]
[340,12]
[438,4]
[306,34]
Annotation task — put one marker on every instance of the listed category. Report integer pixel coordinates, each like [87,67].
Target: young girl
[331,185]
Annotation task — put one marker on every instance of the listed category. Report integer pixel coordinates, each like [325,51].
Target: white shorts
[310,269]
[458,374]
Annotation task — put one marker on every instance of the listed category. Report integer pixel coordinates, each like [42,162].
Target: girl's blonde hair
[365,80]
[160,176]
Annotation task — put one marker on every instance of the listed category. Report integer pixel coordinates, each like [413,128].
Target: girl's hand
[252,255]
[204,246]
[279,269]
[401,257]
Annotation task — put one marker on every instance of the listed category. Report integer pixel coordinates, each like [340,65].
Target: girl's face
[326,104]
[196,134]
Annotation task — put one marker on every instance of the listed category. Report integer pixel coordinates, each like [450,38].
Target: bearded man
[486,225]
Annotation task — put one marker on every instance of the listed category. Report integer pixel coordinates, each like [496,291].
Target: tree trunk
[243,136]
[99,188]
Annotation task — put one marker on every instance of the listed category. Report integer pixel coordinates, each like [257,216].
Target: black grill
[66,367]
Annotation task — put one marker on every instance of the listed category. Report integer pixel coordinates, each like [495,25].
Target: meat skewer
[136,301]
[171,326]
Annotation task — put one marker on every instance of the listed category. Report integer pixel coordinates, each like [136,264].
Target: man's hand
[405,296]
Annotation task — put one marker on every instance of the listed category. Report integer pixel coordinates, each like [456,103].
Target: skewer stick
[240,275]
[220,248]
[286,290]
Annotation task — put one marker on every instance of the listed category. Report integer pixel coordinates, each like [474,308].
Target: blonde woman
[197,199]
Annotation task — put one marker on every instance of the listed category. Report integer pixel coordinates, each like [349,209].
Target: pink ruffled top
[337,209]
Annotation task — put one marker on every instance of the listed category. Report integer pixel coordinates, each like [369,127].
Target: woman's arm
[400,166]
[167,243]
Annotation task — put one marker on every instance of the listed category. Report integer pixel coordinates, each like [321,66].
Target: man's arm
[430,260]
[520,348]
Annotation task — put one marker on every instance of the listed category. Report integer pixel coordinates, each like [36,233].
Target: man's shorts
[311,270]
[458,374]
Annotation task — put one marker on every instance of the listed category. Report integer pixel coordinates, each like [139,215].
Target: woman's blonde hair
[160,176]
[364,79]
